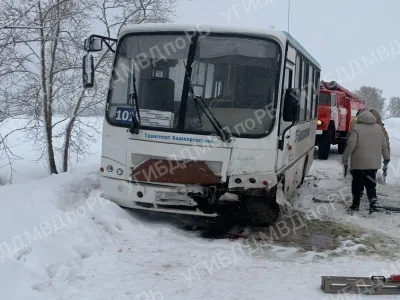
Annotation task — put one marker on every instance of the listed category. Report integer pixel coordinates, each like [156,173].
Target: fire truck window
[324,99]
[334,100]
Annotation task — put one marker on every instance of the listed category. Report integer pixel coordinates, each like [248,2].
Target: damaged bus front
[194,123]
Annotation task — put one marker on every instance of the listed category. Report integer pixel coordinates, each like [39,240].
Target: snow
[28,168]
[331,184]
[67,242]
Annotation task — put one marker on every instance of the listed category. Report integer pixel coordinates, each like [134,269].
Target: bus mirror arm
[290,112]
[282,140]
[95,43]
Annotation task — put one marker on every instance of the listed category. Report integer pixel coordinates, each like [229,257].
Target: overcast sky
[334,32]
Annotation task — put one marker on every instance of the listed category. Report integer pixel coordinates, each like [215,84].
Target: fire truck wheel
[341,148]
[324,146]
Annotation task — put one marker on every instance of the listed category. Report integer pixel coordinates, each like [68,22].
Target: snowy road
[60,240]
[326,180]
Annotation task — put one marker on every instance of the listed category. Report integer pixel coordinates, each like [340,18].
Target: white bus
[201,121]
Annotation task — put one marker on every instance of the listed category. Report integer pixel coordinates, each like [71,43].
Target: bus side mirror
[291,106]
[88,71]
[93,44]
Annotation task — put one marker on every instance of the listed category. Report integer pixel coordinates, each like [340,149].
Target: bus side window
[218,88]
[317,77]
[290,71]
[310,97]
[298,84]
[304,84]
[288,83]
[313,93]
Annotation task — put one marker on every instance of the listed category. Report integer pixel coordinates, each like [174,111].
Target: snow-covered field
[59,239]
[28,167]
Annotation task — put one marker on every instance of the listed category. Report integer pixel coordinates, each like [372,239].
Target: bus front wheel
[263,211]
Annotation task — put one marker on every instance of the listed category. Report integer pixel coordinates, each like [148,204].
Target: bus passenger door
[283,156]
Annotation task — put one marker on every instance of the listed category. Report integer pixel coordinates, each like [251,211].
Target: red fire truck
[336,111]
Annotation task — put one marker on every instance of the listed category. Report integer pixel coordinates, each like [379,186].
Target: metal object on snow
[375,285]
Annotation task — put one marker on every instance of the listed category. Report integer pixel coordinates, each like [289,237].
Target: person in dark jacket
[366,145]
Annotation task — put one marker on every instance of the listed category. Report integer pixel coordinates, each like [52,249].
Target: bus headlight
[319,122]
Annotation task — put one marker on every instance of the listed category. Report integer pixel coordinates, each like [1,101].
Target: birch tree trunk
[47,95]
[71,122]
[68,132]
[40,66]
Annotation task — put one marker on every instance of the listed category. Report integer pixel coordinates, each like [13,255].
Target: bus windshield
[235,76]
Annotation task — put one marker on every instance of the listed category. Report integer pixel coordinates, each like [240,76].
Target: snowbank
[78,245]
[393,127]
[59,239]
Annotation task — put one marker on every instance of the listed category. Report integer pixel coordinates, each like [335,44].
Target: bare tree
[41,66]
[130,12]
[373,97]
[41,50]
[394,107]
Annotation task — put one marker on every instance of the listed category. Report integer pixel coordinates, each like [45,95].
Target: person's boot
[373,205]
[354,208]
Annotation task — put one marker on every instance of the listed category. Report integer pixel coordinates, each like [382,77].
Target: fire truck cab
[336,111]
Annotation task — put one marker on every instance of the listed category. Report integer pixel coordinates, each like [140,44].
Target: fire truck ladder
[375,285]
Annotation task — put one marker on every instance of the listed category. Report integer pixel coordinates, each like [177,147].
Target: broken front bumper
[152,197]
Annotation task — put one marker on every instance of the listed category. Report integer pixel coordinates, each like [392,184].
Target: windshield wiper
[225,137]
[133,98]
[188,87]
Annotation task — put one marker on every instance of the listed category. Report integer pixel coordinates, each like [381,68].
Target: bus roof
[282,36]
[162,27]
